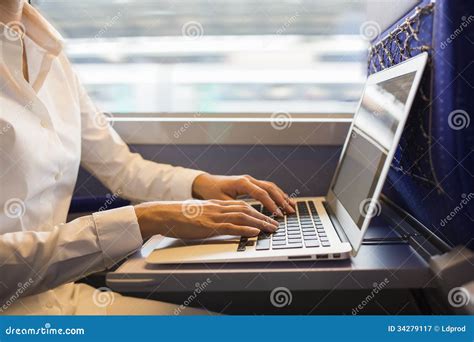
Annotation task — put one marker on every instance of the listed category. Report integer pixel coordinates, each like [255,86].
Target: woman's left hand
[208,186]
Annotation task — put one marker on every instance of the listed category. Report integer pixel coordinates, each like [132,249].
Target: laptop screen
[372,136]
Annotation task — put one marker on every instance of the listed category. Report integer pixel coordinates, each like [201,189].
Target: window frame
[232,129]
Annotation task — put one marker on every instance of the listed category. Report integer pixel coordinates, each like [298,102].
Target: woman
[48,127]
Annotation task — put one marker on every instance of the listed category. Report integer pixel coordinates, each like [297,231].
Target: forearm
[67,252]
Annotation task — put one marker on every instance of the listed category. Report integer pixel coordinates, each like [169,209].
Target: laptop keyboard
[303,229]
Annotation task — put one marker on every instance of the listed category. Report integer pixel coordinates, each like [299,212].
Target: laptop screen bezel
[351,230]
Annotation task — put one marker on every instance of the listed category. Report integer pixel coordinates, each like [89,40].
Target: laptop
[330,227]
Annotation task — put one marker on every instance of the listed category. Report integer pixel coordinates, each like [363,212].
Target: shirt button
[43,124]
[58,176]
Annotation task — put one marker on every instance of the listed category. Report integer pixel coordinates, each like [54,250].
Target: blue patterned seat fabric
[432,176]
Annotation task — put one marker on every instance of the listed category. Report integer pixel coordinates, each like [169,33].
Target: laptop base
[288,244]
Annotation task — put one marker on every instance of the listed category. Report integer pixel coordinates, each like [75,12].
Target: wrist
[147,228]
[199,185]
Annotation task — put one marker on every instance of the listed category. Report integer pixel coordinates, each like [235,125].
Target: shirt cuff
[182,187]
[118,232]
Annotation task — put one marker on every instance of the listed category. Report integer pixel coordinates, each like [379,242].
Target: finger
[249,210]
[260,195]
[288,199]
[276,194]
[291,201]
[227,200]
[232,229]
[242,219]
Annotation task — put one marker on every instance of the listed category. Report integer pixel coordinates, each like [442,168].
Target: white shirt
[48,127]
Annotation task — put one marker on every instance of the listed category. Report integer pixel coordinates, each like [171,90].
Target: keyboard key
[301,205]
[279,238]
[311,243]
[289,246]
[290,233]
[322,235]
[242,244]
[309,234]
[278,243]
[310,237]
[293,229]
[291,241]
[325,244]
[263,236]
[263,245]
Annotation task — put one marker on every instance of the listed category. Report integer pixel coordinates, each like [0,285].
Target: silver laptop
[330,227]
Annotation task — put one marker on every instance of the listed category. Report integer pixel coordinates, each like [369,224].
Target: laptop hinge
[410,227]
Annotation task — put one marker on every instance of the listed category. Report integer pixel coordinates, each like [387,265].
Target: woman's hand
[201,219]
[208,186]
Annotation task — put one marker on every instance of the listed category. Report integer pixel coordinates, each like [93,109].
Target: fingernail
[278,211]
[255,231]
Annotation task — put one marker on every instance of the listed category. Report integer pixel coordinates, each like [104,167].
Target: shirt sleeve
[35,261]
[107,157]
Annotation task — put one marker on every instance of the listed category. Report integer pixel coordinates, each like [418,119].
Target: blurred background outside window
[215,56]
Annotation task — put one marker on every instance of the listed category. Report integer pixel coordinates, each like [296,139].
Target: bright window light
[215,56]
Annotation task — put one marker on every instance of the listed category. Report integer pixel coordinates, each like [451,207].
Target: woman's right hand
[195,219]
